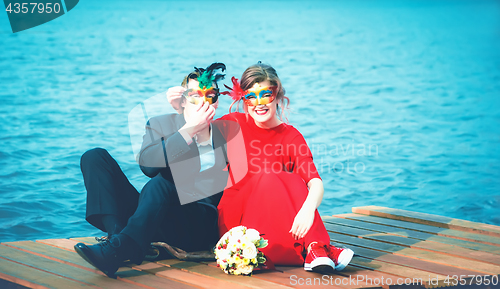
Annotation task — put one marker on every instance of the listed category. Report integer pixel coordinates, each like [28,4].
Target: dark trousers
[153,215]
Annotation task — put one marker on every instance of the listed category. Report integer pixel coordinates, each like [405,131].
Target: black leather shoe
[104,256]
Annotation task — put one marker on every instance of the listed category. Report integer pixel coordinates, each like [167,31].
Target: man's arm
[160,145]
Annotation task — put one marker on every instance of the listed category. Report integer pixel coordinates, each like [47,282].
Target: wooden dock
[394,249]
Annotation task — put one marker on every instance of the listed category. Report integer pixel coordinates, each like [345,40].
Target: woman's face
[263,113]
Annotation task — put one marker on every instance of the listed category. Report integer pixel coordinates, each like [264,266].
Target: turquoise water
[414,83]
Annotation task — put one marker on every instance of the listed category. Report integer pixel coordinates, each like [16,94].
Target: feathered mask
[207,76]
[205,90]
[236,93]
[257,95]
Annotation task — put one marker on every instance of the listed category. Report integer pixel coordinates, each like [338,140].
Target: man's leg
[159,207]
[111,199]
[158,203]
[156,199]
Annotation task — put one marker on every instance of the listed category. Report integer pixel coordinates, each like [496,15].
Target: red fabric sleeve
[301,159]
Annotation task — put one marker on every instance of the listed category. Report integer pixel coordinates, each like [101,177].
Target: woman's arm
[305,217]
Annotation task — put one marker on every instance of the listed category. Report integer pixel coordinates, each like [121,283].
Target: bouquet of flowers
[237,251]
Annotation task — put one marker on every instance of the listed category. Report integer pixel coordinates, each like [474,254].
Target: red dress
[271,187]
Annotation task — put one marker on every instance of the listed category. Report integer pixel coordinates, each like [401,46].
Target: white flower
[237,232]
[245,269]
[250,251]
[233,245]
[253,235]
[222,254]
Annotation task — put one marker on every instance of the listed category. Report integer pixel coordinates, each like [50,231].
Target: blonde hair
[259,73]
[192,75]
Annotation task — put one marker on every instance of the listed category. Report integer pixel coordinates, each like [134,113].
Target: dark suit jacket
[165,151]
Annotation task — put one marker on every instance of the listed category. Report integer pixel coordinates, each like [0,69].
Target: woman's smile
[261,110]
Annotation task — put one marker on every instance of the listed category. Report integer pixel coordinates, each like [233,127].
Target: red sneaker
[317,259]
[341,256]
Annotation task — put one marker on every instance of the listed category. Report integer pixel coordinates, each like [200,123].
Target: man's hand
[199,118]
[174,97]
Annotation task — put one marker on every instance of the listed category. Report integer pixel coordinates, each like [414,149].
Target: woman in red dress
[281,189]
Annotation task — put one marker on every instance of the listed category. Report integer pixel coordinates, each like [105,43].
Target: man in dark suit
[185,156]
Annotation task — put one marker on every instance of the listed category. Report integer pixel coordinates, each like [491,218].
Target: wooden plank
[187,277]
[338,281]
[152,268]
[275,277]
[417,254]
[33,278]
[6,284]
[86,240]
[449,233]
[400,273]
[198,280]
[214,272]
[370,277]
[438,270]
[60,269]
[296,281]
[51,252]
[428,219]
[352,221]
[73,259]
[65,244]
[152,281]
[413,243]
[296,277]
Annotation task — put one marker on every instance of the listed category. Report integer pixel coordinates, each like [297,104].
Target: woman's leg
[111,199]
[317,233]
[271,206]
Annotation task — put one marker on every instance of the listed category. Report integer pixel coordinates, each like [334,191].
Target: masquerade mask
[258,95]
[195,95]
[205,90]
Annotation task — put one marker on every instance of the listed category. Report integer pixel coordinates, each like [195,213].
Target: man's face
[195,94]
[190,106]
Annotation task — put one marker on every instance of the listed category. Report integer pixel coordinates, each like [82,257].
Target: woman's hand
[174,97]
[302,222]
[305,217]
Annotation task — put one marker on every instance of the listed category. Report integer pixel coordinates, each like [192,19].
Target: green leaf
[262,243]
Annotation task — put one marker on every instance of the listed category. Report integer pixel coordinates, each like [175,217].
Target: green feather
[206,79]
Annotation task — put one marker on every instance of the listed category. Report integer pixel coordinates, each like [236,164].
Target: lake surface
[398,100]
